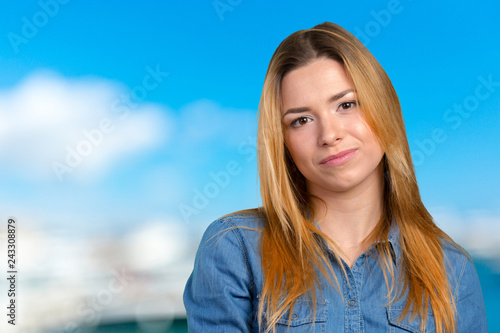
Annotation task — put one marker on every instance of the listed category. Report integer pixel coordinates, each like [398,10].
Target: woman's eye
[300,121]
[347,105]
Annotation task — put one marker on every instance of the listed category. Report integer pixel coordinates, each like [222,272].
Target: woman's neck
[350,216]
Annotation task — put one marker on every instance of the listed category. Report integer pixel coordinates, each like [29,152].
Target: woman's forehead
[317,81]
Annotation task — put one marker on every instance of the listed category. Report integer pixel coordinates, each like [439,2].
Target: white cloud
[165,242]
[157,155]
[46,116]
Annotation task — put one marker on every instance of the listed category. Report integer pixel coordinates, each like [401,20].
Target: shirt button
[294,316]
[352,303]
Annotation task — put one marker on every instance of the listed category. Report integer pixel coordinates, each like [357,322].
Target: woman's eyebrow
[330,100]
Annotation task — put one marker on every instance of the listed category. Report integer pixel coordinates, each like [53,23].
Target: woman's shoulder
[227,273]
[459,265]
[248,219]
[454,254]
[242,227]
[466,289]
[232,242]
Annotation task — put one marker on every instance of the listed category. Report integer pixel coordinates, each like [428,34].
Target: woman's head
[374,94]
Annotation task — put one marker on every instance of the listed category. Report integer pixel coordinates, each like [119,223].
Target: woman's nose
[330,131]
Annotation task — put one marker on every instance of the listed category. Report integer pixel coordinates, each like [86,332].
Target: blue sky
[176,86]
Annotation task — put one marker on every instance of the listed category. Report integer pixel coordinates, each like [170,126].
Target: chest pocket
[405,325]
[303,319]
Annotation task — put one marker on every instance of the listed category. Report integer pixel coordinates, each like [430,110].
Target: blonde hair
[289,247]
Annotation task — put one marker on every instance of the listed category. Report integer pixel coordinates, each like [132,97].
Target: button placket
[353,310]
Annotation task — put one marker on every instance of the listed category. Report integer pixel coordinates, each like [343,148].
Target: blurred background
[127,127]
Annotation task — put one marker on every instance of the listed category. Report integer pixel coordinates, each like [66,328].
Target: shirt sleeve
[217,294]
[471,312]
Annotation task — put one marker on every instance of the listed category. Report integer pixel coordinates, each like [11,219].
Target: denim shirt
[222,293]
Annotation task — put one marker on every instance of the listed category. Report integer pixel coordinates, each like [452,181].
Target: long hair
[290,250]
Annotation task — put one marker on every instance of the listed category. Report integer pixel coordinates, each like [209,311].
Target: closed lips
[337,156]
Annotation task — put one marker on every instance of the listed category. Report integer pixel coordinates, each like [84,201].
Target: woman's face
[326,131]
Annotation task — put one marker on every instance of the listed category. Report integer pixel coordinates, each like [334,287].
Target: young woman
[342,242]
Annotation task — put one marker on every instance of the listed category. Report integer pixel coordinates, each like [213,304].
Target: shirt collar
[394,239]
[392,236]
